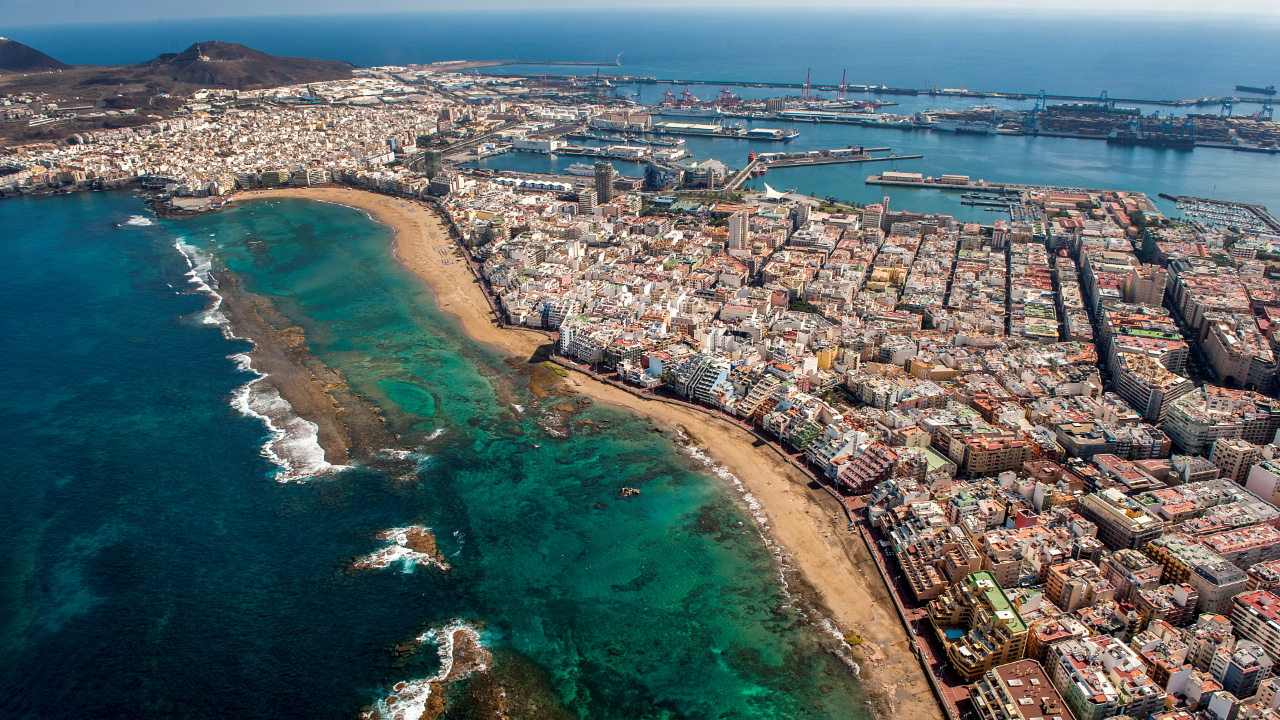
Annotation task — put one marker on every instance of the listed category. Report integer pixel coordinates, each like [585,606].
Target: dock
[805,162]
[939,184]
[1259,211]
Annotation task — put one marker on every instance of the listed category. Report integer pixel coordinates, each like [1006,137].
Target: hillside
[229,65]
[18,58]
[155,88]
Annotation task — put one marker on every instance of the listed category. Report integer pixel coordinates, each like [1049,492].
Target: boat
[1268,90]
[964,126]
[701,112]
[580,169]
[772,134]
[1151,139]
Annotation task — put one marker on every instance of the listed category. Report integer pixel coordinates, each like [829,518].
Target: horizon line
[936,7]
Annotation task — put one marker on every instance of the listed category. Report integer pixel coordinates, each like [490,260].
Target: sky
[17,13]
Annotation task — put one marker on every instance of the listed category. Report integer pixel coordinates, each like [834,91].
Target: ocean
[156,565]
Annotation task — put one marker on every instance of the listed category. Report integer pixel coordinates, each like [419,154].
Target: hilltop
[230,65]
[154,88]
[18,58]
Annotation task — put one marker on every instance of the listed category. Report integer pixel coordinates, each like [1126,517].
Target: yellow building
[978,626]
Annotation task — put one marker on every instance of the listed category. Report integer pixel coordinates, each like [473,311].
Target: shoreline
[797,519]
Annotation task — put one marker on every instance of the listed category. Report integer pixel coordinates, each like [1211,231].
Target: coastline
[804,524]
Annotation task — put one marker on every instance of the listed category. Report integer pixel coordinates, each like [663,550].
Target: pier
[805,162]
[939,184]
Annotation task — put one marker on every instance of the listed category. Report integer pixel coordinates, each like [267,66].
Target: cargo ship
[1268,90]
[970,127]
[580,169]
[1151,139]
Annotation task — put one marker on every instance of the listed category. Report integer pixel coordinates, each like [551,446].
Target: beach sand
[808,524]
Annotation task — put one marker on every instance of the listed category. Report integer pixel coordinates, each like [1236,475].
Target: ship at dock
[963,127]
[580,169]
[1268,90]
[692,112]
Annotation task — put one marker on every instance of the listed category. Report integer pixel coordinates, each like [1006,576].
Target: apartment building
[994,632]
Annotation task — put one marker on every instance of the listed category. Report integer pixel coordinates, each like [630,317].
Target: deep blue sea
[1152,56]
[153,567]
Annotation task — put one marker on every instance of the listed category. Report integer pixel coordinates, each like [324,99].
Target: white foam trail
[408,701]
[200,274]
[824,623]
[294,442]
[398,551]
[139,221]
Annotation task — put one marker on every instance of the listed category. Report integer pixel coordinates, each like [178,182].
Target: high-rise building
[1241,671]
[1234,457]
[1256,616]
[802,215]
[587,202]
[432,162]
[1145,285]
[739,230]
[872,216]
[604,182]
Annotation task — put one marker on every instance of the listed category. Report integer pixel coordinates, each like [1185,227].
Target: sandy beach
[833,564]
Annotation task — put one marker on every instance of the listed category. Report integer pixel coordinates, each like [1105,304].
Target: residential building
[994,633]
[1122,522]
[1017,691]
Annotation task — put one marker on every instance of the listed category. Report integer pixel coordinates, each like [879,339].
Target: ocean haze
[1072,54]
[36,12]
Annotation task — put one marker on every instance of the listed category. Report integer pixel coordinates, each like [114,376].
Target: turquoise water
[154,568]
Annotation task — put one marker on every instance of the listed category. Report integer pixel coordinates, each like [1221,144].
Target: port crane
[807,92]
[1105,103]
[1031,123]
[1227,105]
[842,91]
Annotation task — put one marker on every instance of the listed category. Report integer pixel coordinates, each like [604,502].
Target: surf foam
[399,551]
[408,700]
[139,221]
[293,445]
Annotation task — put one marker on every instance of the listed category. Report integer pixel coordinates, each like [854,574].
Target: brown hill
[229,65]
[18,58]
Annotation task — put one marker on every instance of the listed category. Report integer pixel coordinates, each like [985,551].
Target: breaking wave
[410,546]
[294,442]
[139,221]
[461,653]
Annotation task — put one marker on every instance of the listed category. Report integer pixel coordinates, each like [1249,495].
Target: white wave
[437,433]
[294,443]
[200,274]
[398,551]
[139,221]
[408,700]
[824,624]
